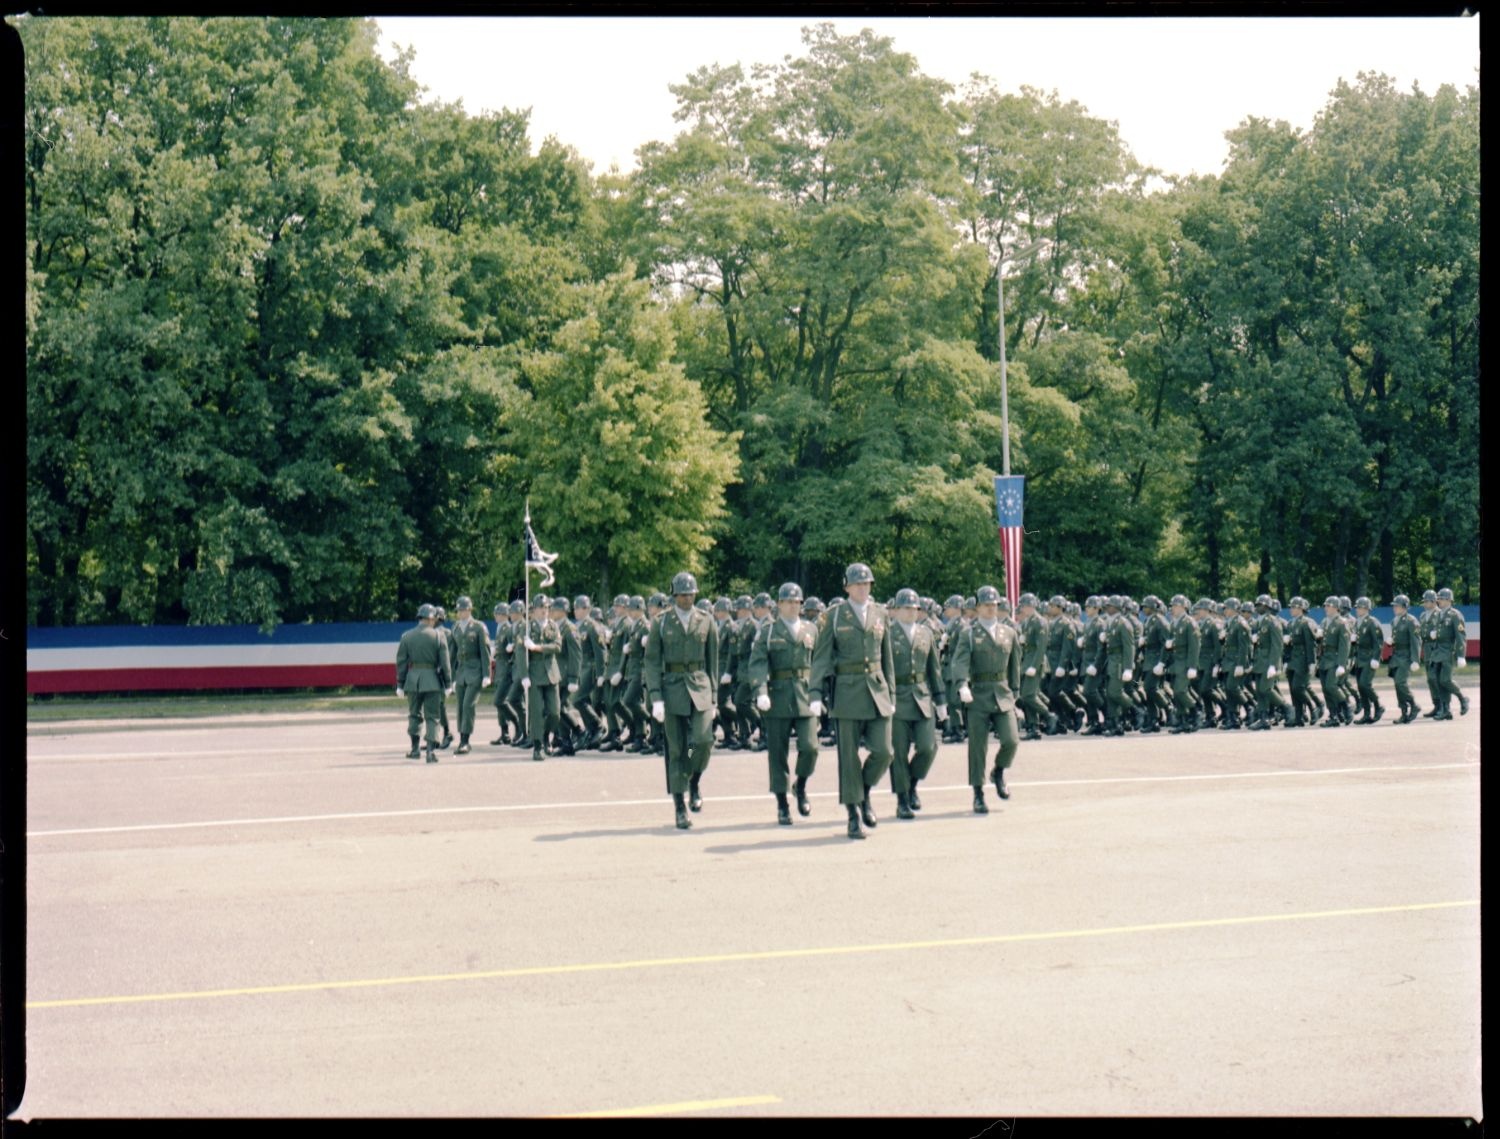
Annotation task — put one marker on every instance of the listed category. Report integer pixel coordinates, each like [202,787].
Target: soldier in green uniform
[1033,640]
[471,652]
[987,671]
[1208,660]
[500,650]
[590,671]
[1406,650]
[813,610]
[633,707]
[1119,655]
[682,664]
[1447,642]
[760,617]
[1265,663]
[1156,631]
[1095,664]
[570,728]
[1369,645]
[1060,635]
[1334,663]
[854,648]
[921,701]
[1427,621]
[422,673]
[953,625]
[515,653]
[614,674]
[1183,644]
[730,657]
[442,616]
[1300,654]
[1236,663]
[1346,682]
[541,645]
[780,672]
[723,611]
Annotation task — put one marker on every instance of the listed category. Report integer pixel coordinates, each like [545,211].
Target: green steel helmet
[502,609]
[1178,599]
[560,602]
[1058,601]
[813,606]
[461,604]
[1330,602]
[1264,601]
[1004,605]
[969,602]
[637,603]
[425,611]
[539,602]
[1027,598]
[518,608]
[858,572]
[1445,594]
[954,602]
[582,604]
[790,591]
[1203,603]
[907,599]
[742,601]
[1345,604]
[684,583]
[1150,603]
[987,595]
[928,603]
[762,601]
[658,600]
[1428,595]
[704,604]
[721,605]
[1092,601]
[439,612]
[1232,604]
[1402,600]
[1113,601]
[1298,602]
[622,600]
[1362,603]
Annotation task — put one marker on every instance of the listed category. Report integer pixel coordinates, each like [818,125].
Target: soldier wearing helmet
[954,623]
[1406,651]
[513,696]
[1235,662]
[1033,641]
[440,624]
[920,697]
[1266,649]
[682,663]
[471,660]
[1183,644]
[780,671]
[587,682]
[987,671]
[854,649]
[1369,646]
[1427,619]
[541,675]
[1446,652]
[502,660]
[1300,655]
[1334,663]
[1205,688]
[1056,679]
[423,671]
[753,732]
[1156,632]
[616,638]
[1091,647]
[633,652]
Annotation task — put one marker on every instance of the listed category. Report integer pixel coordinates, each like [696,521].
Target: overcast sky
[1174,86]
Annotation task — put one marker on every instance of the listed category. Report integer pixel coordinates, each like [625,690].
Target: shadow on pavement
[669,827]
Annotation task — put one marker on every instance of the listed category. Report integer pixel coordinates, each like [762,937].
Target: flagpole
[526,625]
[1004,391]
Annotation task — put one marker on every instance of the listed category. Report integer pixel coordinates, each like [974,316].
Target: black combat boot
[903,805]
[463,746]
[980,806]
[683,822]
[804,808]
[695,800]
[431,752]
[911,797]
[867,812]
[998,775]
[416,751]
[854,831]
[783,812]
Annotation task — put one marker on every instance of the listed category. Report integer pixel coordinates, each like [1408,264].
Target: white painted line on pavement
[658,801]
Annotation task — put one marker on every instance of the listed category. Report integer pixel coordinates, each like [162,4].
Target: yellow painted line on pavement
[671,1108]
[763,955]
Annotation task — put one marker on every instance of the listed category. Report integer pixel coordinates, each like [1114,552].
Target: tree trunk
[1263,576]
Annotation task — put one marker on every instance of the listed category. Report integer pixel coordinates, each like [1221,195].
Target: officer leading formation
[884,683]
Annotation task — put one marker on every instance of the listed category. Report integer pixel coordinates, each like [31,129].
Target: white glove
[1079,642]
[763,702]
[627,648]
[965,694]
[1460,663]
[1103,637]
[1058,671]
[530,645]
[525,682]
[615,679]
[1374,663]
[1169,642]
[658,711]
[1192,674]
[599,682]
[1432,636]
[510,648]
[1254,638]
[1338,670]
[1158,668]
[644,638]
[942,711]
[572,688]
[1271,671]
[726,679]
[1127,676]
[450,690]
[1031,671]
[1239,670]
[399,691]
[1286,638]
[486,682]
[1140,642]
[816,707]
[1091,671]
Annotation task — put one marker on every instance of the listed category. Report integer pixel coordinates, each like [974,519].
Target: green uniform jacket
[729,649]
[1096,644]
[859,658]
[542,660]
[591,637]
[744,645]
[1369,640]
[634,649]
[1426,622]
[682,663]
[1033,644]
[1119,645]
[1335,645]
[1447,639]
[919,677]
[471,647]
[781,667]
[1185,641]
[614,657]
[1266,639]
[1210,637]
[1156,632]
[422,661]
[1302,651]
[1236,644]
[447,635]
[1406,640]
[501,658]
[990,665]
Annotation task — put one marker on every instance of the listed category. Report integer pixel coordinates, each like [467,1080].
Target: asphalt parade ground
[281,916]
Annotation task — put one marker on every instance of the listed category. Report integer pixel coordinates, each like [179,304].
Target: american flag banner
[1010,493]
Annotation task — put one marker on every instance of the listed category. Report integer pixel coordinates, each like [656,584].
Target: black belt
[912,679]
[790,673]
[985,677]
[851,669]
[680,667]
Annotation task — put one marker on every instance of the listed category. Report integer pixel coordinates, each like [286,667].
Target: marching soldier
[1406,651]
[423,672]
[1183,645]
[730,658]
[591,637]
[1369,644]
[634,653]
[781,671]
[447,637]
[515,695]
[1334,663]
[1427,621]
[1346,682]
[1265,662]
[724,617]
[1156,632]
[1119,652]
[501,658]
[1300,643]
[1054,684]
[1235,663]
[919,697]
[813,610]
[854,648]
[570,730]
[471,649]
[1447,642]
[541,676]
[1095,664]
[987,670]
[614,674]
[760,617]
[682,662]
[953,625]
[1208,660]
[1033,663]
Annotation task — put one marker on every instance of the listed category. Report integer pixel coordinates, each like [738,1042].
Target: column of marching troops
[657,674]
